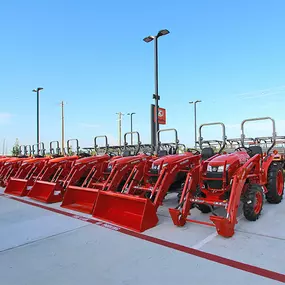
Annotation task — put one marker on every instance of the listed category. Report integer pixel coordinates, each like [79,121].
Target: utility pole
[195,120]
[38,114]
[131,115]
[62,127]
[120,114]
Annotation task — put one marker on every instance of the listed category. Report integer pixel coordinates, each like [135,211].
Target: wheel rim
[258,202]
[280,183]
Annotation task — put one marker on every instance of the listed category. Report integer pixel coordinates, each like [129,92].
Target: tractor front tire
[275,184]
[205,209]
[253,202]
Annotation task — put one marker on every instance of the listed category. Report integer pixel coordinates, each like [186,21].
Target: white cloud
[5,118]
[263,93]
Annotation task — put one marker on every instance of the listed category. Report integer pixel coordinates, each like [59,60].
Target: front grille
[215,184]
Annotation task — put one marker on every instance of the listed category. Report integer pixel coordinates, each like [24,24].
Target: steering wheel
[241,148]
[194,151]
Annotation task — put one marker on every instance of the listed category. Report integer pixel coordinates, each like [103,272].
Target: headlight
[217,168]
[156,167]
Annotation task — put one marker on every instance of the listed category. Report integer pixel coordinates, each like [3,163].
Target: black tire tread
[248,208]
[205,209]
[272,196]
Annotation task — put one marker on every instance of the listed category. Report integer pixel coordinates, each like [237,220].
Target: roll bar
[137,147]
[260,119]
[57,149]
[77,146]
[40,148]
[221,143]
[106,143]
[28,150]
[176,140]
[22,150]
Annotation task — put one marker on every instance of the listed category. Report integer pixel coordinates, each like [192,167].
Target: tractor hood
[129,160]
[88,159]
[217,164]
[170,159]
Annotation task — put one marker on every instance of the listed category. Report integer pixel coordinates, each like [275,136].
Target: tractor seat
[85,154]
[255,149]
[126,153]
[162,152]
[207,152]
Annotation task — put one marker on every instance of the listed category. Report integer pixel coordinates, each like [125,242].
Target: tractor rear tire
[253,202]
[275,184]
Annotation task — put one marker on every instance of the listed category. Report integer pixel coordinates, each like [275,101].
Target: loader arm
[133,179]
[180,213]
[250,170]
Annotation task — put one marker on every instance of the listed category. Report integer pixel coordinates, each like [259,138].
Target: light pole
[120,114]
[62,127]
[195,119]
[38,114]
[131,114]
[155,95]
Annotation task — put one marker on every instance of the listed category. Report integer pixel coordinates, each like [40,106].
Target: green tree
[16,148]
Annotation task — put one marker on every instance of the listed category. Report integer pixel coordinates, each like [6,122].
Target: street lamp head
[194,102]
[148,39]
[38,89]
[129,114]
[162,33]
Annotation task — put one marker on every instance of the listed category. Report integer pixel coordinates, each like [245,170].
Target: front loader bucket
[224,227]
[135,213]
[45,192]
[177,217]
[17,187]
[79,199]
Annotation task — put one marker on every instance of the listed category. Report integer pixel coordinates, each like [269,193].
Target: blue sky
[229,54]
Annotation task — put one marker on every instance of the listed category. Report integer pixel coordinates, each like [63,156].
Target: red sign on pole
[161,116]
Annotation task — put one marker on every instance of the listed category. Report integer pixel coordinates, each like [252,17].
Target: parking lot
[47,244]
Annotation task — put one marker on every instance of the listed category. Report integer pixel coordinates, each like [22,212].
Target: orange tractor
[80,176]
[225,180]
[28,171]
[135,206]
[108,175]
[12,165]
[49,184]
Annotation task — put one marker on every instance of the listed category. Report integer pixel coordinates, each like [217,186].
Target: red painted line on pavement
[205,255]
